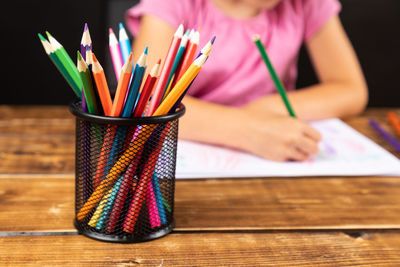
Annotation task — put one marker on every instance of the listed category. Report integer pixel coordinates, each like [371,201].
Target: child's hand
[277,137]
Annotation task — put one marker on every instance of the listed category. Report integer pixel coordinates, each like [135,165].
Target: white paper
[343,151]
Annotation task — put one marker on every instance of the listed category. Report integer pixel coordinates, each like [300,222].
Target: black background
[31,79]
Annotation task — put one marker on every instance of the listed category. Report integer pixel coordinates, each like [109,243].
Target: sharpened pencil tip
[256,37]
[159,61]
[41,37]
[213,39]
[110,31]
[121,26]
[79,56]
[187,32]
[48,34]
[146,50]
[195,27]
[86,27]
[94,58]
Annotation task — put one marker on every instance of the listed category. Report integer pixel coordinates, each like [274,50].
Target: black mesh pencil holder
[125,176]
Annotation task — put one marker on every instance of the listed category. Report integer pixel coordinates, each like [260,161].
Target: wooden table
[326,221]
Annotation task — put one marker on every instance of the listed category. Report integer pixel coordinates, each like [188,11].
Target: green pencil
[88,90]
[275,78]
[50,52]
[67,62]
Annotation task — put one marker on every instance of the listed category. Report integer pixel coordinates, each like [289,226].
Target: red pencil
[165,71]
[147,89]
[189,55]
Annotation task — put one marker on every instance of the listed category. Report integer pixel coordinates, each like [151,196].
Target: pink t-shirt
[235,73]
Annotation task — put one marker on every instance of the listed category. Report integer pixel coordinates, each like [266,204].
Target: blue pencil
[110,202]
[124,42]
[159,201]
[135,85]
[179,54]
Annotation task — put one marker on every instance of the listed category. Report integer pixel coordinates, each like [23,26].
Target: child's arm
[342,90]
[276,137]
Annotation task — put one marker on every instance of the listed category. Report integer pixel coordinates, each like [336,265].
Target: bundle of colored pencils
[161,93]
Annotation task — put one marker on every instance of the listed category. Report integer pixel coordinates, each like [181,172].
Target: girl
[233,101]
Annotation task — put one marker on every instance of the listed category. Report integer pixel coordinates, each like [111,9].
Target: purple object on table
[387,136]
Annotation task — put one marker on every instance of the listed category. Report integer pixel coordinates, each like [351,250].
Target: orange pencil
[102,86]
[116,111]
[122,88]
[395,121]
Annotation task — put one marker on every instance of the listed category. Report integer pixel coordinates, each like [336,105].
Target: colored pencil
[275,78]
[165,71]
[180,86]
[116,110]
[93,221]
[159,197]
[179,54]
[87,85]
[67,62]
[107,145]
[102,86]
[107,208]
[133,92]
[115,52]
[385,135]
[128,183]
[147,89]
[86,43]
[50,52]
[395,121]
[122,87]
[189,55]
[206,50]
[124,43]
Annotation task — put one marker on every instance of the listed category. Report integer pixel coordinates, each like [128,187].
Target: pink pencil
[165,71]
[115,52]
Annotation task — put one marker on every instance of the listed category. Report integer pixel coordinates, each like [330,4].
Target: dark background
[31,79]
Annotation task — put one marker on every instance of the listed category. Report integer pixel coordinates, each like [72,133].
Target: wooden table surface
[324,221]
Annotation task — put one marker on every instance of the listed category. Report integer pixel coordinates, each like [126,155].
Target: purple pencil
[86,43]
[387,136]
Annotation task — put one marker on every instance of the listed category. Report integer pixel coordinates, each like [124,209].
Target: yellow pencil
[180,86]
[99,210]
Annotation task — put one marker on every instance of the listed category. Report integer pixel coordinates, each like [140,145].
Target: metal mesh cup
[125,176]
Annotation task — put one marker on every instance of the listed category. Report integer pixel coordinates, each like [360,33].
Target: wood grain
[47,204]
[209,249]
[360,123]
[41,139]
